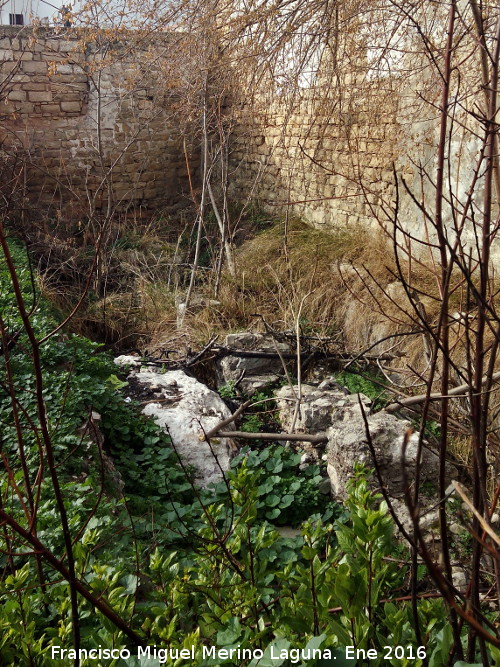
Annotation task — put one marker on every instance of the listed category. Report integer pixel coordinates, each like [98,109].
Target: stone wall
[79,117]
[331,158]
[84,113]
[334,154]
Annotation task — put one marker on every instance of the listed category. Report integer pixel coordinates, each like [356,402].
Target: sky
[38,8]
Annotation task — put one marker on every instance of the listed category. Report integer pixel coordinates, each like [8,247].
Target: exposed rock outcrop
[187,409]
[320,407]
[328,409]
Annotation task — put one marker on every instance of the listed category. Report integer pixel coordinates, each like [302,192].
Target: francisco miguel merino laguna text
[163,655]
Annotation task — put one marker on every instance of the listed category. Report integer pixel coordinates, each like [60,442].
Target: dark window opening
[16,19]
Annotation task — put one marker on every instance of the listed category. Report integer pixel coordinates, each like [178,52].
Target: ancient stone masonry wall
[82,114]
[78,117]
[331,159]
[335,155]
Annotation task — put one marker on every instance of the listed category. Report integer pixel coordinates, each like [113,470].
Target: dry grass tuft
[340,283]
[139,267]
[280,279]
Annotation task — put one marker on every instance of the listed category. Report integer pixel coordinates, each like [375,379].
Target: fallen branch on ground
[297,437]
[318,439]
[223,351]
[457,392]
[225,422]
[460,489]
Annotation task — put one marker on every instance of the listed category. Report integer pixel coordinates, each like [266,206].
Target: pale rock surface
[187,408]
[320,407]
[348,443]
[330,410]
[402,514]
[459,578]
[127,360]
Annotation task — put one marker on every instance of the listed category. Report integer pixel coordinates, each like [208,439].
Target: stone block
[78,86]
[69,79]
[51,109]
[39,96]
[7,108]
[9,66]
[71,107]
[34,86]
[17,95]
[6,54]
[35,67]
[52,149]
[64,68]
[51,45]
[37,47]
[66,45]
[70,96]
[69,134]
[230,367]
[25,107]
[52,58]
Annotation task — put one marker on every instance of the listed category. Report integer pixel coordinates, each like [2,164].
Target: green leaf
[231,634]
[340,632]
[115,382]
[271,654]
[272,500]
[286,501]
[129,583]
[440,654]
[315,642]
[308,552]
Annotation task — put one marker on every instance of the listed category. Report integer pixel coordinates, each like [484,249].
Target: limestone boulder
[187,409]
[348,444]
[328,409]
[128,360]
[319,408]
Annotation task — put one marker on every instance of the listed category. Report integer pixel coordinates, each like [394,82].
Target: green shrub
[285,494]
[365,382]
[187,567]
